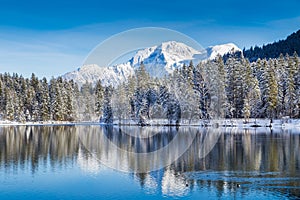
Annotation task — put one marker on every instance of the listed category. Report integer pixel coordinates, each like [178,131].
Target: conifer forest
[220,88]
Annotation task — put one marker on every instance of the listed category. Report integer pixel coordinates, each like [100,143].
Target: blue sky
[53,37]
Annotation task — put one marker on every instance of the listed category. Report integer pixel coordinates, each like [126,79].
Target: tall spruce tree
[107,117]
[99,93]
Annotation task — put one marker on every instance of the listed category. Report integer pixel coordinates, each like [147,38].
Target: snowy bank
[238,123]
[14,123]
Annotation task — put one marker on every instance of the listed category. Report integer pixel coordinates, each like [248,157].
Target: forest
[212,89]
[273,50]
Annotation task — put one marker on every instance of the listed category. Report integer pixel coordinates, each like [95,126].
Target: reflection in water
[88,163]
[173,184]
[31,146]
[124,151]
[225,160]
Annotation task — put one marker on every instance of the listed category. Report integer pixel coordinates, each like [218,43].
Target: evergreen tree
[69,114]
[98,98]
[269,90]
[107,117]
[170,104]
[56,100]
[291,87]
[183,87]
[201,90]
[87,101]
[142,77]
[45,99]
[9,105]
[246,109]
[120,103]
[2,108]
[35,111]
[221,89]
[297,83]
[281,76]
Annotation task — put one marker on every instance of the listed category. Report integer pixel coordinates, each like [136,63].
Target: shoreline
[234,123]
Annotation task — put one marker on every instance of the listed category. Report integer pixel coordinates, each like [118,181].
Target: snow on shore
[238,123]
[14,123]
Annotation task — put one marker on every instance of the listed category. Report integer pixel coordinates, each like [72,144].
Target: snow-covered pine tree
[22,95]
[35,102]
[210,77]
[262,76]
[56,100]
[35,110]
[87,103]
[143,111]
[9,105]
[107,117]
[254,98]
[65,97]
[273,93]
[234,89]
[27,115]
[247,88]
[130,91]
[29,99]
[170,104]
[52,97]
[183,87]
[142,77]
[136,103]
[201,90]
[98,98]
[69,114]
[120,103]
[190,74]
[246,109]
[1,99]
[297,84]
[291,86]
[45,100]
[76,102]
[281,77]
[221,89]
[251,90]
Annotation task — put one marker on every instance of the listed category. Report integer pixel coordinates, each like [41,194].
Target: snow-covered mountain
[166,57]
[158,60]
[214,51]
[108,75]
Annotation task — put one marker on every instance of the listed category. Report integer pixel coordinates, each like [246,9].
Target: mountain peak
[159,60]
[222,49]
[164,58]
[178,49]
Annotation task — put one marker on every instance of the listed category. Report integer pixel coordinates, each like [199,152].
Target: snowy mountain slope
[108,75]
[166,57]
[214,51]
[158,60]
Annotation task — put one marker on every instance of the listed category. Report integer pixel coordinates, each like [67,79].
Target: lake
[128,162]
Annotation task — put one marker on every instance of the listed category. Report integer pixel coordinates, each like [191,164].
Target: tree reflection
[223,159]
[32,146]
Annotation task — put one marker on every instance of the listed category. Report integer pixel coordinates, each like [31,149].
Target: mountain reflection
[207,158]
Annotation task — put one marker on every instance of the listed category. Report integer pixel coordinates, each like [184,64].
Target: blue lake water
[94,162]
